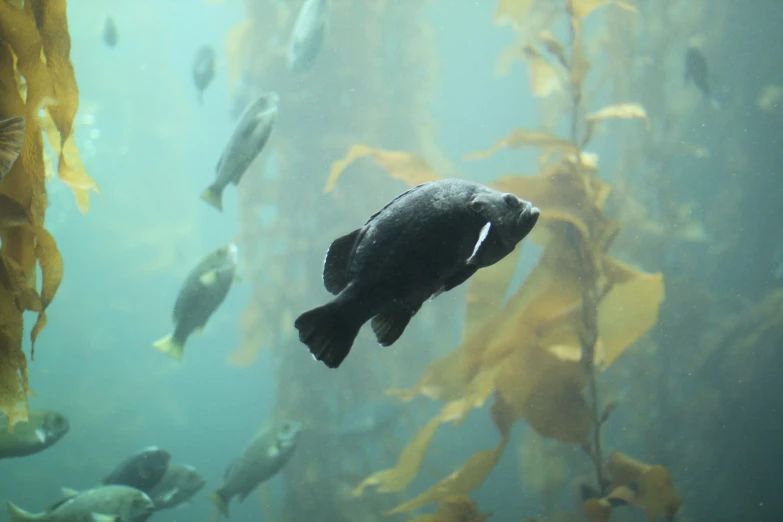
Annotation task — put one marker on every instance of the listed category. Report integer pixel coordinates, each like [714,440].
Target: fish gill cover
[37,82]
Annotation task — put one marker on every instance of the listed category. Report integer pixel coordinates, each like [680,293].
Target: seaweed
[37,82]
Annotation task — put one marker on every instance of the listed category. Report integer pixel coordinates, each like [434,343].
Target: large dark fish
[42,430]
[308,35]
[178,485]
[110,35]
[142,470]
[102,504]
[203,70]
[11,141]
[201,294]
[697,72]
[266,454]
[249,138]
[426,241]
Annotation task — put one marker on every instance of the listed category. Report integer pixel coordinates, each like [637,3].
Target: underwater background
[692,187]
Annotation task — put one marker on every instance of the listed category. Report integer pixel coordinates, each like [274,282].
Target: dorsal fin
[337,262]
[406,193]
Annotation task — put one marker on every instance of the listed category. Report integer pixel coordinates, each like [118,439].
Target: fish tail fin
[11,141]
[171,346]
[17,514]
[214,196]
[221,502]
[329,332]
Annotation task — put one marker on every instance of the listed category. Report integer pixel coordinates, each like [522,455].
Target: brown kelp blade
[11,140]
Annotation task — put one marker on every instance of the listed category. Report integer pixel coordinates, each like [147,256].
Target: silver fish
[42,429]
[203,291]
[103,504]
[178,485]
[266,454]
[308,35]
[248,140]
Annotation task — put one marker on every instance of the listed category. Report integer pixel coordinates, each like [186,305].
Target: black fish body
[246,143]
[110,34]
[697,72]
[143,470]
[266,454]
[204,290]
[426,241]
[203,70]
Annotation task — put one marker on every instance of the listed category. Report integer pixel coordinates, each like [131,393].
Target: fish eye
[511,200]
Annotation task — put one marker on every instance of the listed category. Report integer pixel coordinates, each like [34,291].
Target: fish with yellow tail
[266,455]
[204,290]
[103,504]
[246,143]
[11,141]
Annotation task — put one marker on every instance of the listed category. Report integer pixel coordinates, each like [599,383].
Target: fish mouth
[528,218]
[233,253]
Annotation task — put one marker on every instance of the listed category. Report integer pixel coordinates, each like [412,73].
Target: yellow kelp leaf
[621,111]
[625,111]
[51,263]
[12,213]
[520,138]
[255,334]
[401,165]
[544,78]
[34,66]
[487,291]
[236,47]
[638,484]
[458,508]
[582,8]
[473,472]
[626,312]
[56,48]
[398,477]
[512,12]
[553,46]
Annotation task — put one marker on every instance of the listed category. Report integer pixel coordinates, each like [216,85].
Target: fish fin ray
[389,325]
[337,262]
[11,142]
[17,514]
[221,502]
[213,195]
[170,346]
[328,332]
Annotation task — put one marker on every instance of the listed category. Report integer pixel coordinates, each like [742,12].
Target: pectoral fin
[337,261]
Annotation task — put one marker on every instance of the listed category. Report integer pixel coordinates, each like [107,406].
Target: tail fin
[328,332]
[17,514]
[221,502]
[11,141]
[214,196]
[170,346]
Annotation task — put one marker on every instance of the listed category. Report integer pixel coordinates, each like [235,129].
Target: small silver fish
[42,430]
[11,141]
[178,485]
[203,291]
[266,454]
[203,70]
[308,35]
[248,140]
[110,34]
[103,504]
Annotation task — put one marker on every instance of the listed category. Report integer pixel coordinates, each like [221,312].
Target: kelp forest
[579,378]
